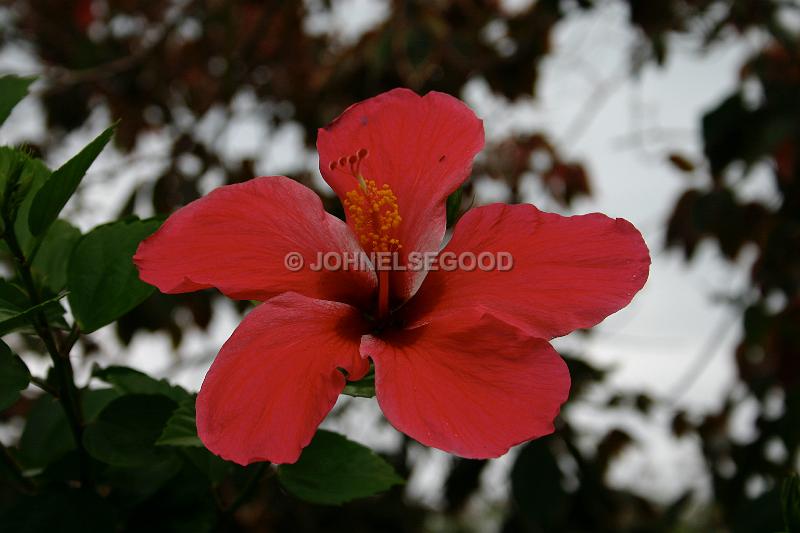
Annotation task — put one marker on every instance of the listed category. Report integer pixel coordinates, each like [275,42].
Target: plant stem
[69,342]
[68,393]
[45,386]
[248,489]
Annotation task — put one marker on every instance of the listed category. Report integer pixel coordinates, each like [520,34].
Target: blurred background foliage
[162,65]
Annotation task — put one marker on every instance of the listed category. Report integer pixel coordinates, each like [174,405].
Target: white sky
[633,124]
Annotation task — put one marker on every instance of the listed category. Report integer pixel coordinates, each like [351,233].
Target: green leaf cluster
[94,459]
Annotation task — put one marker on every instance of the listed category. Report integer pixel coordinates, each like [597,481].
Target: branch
[68,394]
[63,78]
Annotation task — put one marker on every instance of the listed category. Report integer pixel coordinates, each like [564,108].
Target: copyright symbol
[293,261]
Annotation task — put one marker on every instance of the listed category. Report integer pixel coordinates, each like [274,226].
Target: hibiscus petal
[568,272]
[237,239]
[468,384]
[277,377]
[422,147]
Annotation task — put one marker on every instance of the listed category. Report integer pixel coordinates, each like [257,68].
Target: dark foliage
[182,59]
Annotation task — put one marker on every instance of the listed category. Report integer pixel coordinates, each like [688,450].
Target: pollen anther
[372,209]
[375,215]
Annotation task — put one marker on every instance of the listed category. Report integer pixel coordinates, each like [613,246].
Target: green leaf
[21,176]
[129,381]
[12,90]
[213,467]
[333,470]
[536,485]
[24,318]
[50,264]
[363,388]
[135,484]
[126,430]
[93,401]
[35,174]
[103,281]
[51,198]
[47,435]
[181,428]
[14,376]
[12,164]
[14,301]
[12,298]
[454,206]
[790,503]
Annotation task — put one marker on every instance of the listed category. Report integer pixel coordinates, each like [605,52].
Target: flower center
[373,210]
[375,216]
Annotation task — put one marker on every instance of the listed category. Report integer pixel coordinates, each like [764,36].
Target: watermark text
[392,261]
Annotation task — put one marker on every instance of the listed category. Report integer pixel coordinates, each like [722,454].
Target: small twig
[65,78]
[701,360]
[591,108]
[45,386]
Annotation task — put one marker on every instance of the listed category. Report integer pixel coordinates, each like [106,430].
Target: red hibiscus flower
[461,357]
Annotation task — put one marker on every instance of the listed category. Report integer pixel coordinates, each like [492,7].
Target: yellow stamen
[375,215]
